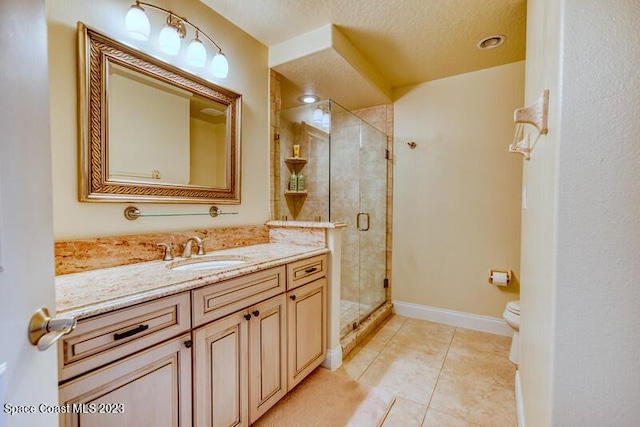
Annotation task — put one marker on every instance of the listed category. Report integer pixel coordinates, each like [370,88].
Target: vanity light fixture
[326,120]
[317,115]
[170,38]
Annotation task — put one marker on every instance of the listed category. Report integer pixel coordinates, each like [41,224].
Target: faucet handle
[167,251]
[201,247]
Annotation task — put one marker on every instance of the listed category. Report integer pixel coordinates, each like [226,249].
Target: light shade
[317,115]
[326,120]
[169,40]
[220,66]
[197,54]
[137,23]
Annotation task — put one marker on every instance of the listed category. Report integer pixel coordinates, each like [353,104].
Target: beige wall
[248,75]
[208,148]
[457,195]
[148,126]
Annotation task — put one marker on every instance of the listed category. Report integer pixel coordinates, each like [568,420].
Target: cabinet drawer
[102,339]
[217,300]
[305,271]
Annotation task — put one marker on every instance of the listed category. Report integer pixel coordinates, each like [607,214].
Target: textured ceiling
[407,41]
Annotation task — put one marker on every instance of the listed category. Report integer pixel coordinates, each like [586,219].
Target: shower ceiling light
[309,98]
[139,28]
[491,42]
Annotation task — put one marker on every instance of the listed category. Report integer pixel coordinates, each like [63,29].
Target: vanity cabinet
[217,356]
[307,323]
[240,365]
[221,372]
[149,388]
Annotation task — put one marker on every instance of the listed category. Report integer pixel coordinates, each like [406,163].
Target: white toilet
[512,317]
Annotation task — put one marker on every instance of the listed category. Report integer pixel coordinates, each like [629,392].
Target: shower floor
[350,313]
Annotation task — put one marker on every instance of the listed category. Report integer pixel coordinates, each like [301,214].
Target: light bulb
[308,99]
[196,53]
[220,66]
[169,40]
[317,115]
[137,23]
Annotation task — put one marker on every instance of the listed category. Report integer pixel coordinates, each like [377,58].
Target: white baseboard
[519,402]
[333,358]
[489,324]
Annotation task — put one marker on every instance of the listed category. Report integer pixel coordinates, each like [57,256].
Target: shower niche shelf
[295,162]
[295,165]
[302,193]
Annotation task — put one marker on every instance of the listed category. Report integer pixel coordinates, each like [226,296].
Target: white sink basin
[208,264]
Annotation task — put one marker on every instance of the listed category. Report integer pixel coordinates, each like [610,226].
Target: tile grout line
[439,374]
[371,363]
[379,353]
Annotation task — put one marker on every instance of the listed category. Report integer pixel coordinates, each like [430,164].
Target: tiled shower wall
[314,146]
[283,135]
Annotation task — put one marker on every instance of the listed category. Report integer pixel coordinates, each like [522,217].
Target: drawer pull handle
[247,316]
[131,332]
[311,270]
[293,297]
[256,313]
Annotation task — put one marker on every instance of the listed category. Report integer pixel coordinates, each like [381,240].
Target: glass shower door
[371,221]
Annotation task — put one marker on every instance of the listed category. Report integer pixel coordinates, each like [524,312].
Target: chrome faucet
[187,247]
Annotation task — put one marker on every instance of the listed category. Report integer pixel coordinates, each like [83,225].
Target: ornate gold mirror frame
[96,51]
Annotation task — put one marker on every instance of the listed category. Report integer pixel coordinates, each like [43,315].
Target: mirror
[152,132]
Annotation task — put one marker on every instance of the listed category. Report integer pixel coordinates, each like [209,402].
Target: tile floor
[442,376]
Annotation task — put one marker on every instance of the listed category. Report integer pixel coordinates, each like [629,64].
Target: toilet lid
[514,307]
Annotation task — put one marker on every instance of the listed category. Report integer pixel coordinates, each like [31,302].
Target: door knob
[44,330]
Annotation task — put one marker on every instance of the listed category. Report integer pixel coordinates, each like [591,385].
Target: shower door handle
[358,221]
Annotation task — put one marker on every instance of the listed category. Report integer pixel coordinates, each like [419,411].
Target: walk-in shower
[339,175]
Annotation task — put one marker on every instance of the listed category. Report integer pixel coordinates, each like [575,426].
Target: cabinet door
[220,373]
[307,329]
[149,388]
[267,355]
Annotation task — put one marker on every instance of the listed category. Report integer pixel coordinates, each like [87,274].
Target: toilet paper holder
[499,277]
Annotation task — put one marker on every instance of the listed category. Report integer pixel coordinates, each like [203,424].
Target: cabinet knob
[247,316]
[188,343]
[293,297]
[256,313]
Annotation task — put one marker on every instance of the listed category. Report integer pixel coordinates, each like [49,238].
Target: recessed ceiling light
[309,99]
[491,42]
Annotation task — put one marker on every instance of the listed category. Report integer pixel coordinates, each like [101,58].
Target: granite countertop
[99,291]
